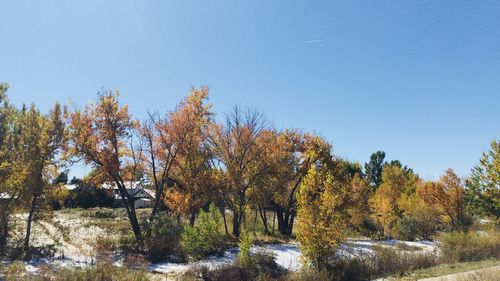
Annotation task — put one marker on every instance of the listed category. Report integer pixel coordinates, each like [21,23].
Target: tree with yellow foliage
[322,218]
[359,209]
[397,185]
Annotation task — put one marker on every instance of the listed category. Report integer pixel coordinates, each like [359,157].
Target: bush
[204,238]
[88,196]
[246,241]
[261,266]
[309,274]
[162,239]
[470,246]
[56,197]
[350,269]
[370,229]
[406,228]
[389,261]
[384,261]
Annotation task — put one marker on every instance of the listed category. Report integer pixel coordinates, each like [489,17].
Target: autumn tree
[424,212]
[277,158]
[322,201]
[386,202]
[176,151]
[10,164]
[100,135]
[483,186]
[293,155]
[193,170]
[359,209]
[236,147]
[448,196]
[373,169]
[41,139]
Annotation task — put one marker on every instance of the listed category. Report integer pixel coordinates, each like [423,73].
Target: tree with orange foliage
[448,195]
[100,135]
[172,146]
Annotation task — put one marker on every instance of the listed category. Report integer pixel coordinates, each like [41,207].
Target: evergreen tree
[373,169]
[483,187]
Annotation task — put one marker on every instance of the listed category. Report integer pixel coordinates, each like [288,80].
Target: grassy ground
[445,269]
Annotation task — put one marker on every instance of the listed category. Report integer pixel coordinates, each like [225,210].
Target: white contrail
[316,41]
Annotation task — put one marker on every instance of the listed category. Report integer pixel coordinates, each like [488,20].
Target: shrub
[350,269]
[406,228]
[56,197]
[370,229]
[405,247]
[127,244]
[14,271]
[105,214]
[389,261]
[162,239]
[204,238]
[309,274]
[470,246]
[88,196]
[246,241]
[426,220]
[384,261]
[260,266]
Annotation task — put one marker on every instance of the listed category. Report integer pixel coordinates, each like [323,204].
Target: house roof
[70,186]
[4,195]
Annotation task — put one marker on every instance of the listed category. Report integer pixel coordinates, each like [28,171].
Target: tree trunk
[279,214]
[254,222]
[155,208]
[274,221]
[4,228]
[156,205]
[132,216]
[130,207]
[223,212]
[263,216]
[236,224]
[192,218]
[290,224]
[286,219]
[28,227]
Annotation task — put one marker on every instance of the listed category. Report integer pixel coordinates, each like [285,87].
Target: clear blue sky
[417,79]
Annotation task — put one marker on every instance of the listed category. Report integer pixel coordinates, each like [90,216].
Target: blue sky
[417,79]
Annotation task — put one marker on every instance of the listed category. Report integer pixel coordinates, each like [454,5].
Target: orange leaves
[175,146]
[100,132]
[448,197]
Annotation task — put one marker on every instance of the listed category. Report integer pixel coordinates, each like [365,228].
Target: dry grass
[488,274]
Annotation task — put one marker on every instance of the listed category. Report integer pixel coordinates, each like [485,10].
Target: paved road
[478,274]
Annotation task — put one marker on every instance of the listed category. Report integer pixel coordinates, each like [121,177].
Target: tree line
[239,164]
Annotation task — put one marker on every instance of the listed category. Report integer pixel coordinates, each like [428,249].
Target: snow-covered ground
[288,255]
[78,252]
